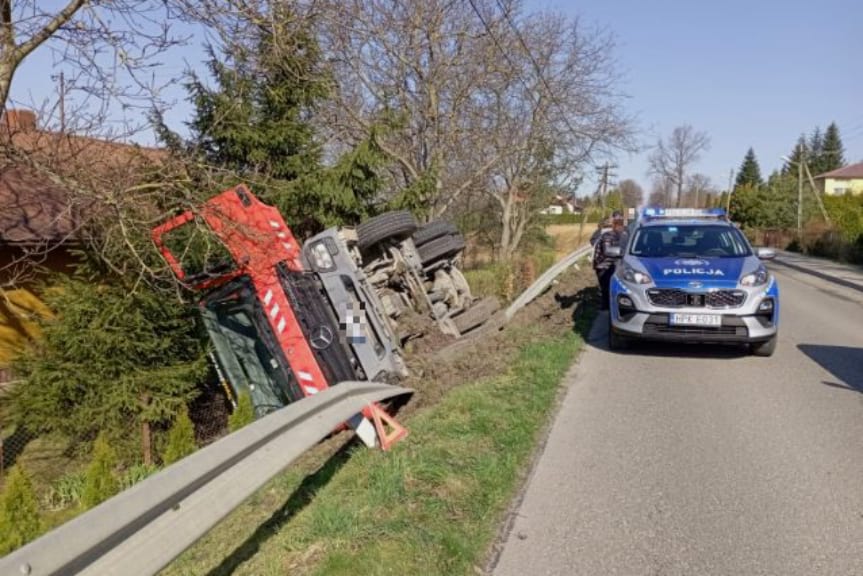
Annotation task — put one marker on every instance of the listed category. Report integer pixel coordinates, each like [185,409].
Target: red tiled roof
[35,207]
[32,208]
[850,171]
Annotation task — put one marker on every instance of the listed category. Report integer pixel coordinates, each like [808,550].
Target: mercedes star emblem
[321,338]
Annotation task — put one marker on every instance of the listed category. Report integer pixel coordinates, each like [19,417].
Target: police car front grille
[725,298]
[669,298]
[676,298]
[717,332]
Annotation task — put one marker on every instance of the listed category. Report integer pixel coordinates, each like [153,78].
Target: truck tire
[439,248]
[434,230]
[395,224]
[476,314]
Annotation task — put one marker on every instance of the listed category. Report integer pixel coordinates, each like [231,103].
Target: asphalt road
[676,460]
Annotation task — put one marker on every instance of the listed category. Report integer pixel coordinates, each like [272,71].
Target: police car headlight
[630,274]
[757,278]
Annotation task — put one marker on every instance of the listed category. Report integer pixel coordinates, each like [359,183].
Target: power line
[505,55]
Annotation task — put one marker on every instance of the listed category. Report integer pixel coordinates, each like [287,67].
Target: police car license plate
[695,320]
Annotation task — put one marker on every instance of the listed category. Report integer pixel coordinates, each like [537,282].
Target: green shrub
[543,260]
[794,246]
[19,512]
[181,439]
[490,280]
[243,414]
[506,280]
[846,212]
[100,483]
[135,474]
[66,492]
[108,361]
[857,250]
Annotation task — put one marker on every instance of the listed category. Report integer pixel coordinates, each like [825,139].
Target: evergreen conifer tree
[19,511]
[100,482]
[243,414]
[255,122]
[750,171]
[110,360]
[181,439]
[833,151]
[815,151]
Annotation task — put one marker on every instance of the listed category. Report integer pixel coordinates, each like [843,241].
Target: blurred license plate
[695,320]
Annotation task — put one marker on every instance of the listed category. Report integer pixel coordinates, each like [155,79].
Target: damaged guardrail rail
[139,531]
[541,283]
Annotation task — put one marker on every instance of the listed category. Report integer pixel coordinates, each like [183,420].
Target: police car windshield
[676,240]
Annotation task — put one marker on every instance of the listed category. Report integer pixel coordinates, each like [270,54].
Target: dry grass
[568,237]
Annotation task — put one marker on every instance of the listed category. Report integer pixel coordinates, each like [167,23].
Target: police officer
[602,226]
[602,264]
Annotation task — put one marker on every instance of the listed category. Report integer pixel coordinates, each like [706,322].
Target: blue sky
[749,73]
[754,73]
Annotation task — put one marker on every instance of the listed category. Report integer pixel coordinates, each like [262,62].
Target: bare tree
[631,193]
[110,51]
[96,190]
[661,192]
[671,160]
[472,98]
[698,186]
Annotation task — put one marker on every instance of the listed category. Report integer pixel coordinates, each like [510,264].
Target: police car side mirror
[613,251]
[765,253]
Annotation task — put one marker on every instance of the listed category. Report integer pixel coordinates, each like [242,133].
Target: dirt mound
[437,366]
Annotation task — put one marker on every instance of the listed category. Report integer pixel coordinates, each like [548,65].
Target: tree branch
[49,29]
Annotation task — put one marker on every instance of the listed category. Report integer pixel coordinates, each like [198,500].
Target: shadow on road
[584,304]
[844,362]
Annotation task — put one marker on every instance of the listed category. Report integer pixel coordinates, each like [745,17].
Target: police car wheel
[615,340]
[765,349]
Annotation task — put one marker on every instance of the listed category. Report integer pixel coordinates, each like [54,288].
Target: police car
[688,275]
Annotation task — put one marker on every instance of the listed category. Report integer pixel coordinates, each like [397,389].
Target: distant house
[846,179]
[561,205]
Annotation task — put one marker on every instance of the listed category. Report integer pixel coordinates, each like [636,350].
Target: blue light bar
[683,213]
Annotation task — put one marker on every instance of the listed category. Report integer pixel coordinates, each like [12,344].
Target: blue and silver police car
[688,275]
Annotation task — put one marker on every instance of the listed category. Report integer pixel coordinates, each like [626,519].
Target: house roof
[850,171]
[36,206]
[33,209]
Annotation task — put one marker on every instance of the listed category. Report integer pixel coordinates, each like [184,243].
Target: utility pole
[800,201]
[62,78]
[730,191]
[604,189]
[815,190]
[604,181]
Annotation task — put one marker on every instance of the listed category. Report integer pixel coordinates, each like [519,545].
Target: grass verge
[433,505]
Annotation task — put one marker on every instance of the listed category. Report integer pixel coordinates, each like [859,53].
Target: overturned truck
[288,320]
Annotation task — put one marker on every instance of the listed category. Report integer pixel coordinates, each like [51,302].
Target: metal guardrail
[139,531]
[541,283]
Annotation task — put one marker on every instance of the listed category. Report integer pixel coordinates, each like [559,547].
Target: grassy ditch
[434,504]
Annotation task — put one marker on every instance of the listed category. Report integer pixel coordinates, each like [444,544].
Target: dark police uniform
[603,265]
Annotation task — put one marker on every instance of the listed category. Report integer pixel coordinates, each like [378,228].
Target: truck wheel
[434,230]
[766,348]
[395,224]
[439,248]
[476,314]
